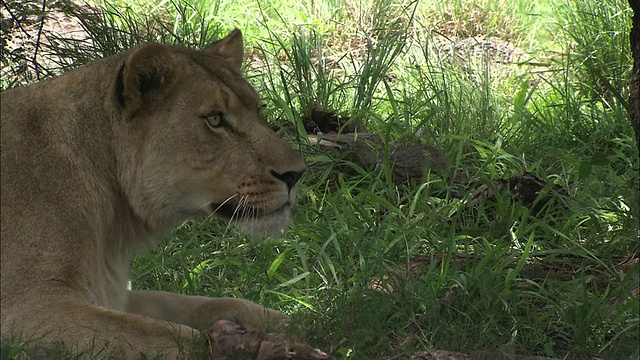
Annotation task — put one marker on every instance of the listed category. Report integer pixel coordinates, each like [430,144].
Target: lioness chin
[100,161]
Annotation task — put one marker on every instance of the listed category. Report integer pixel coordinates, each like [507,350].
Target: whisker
[210,216]
[250,217]
[239,207]
[204,207]
[224,202]
[248,214]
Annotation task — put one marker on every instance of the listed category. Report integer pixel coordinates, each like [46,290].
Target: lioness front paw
[260,317]
[240,311]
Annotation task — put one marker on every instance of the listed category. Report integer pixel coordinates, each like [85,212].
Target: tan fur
[100,161]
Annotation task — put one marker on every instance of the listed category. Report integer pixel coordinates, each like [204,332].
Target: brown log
[408,162]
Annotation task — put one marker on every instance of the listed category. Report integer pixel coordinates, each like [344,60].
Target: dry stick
[18,22]
[35,52]
[336,347]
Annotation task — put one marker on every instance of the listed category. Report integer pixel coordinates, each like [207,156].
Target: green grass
[523,284]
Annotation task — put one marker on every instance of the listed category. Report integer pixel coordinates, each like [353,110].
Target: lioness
[100,161]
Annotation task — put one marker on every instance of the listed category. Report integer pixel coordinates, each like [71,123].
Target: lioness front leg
[201,311]
[89,330]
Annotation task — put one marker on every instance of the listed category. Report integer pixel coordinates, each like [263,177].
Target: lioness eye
[214,120]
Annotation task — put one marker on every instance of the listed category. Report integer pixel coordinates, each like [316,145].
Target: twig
[18,22]
[446,299]
[336,347]
[35,52]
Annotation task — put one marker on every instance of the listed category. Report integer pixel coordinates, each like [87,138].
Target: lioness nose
[290,177]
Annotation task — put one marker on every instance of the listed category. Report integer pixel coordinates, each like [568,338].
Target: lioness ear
[230,48]
[145,73]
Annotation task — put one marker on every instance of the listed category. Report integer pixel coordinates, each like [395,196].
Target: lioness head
[191,140]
